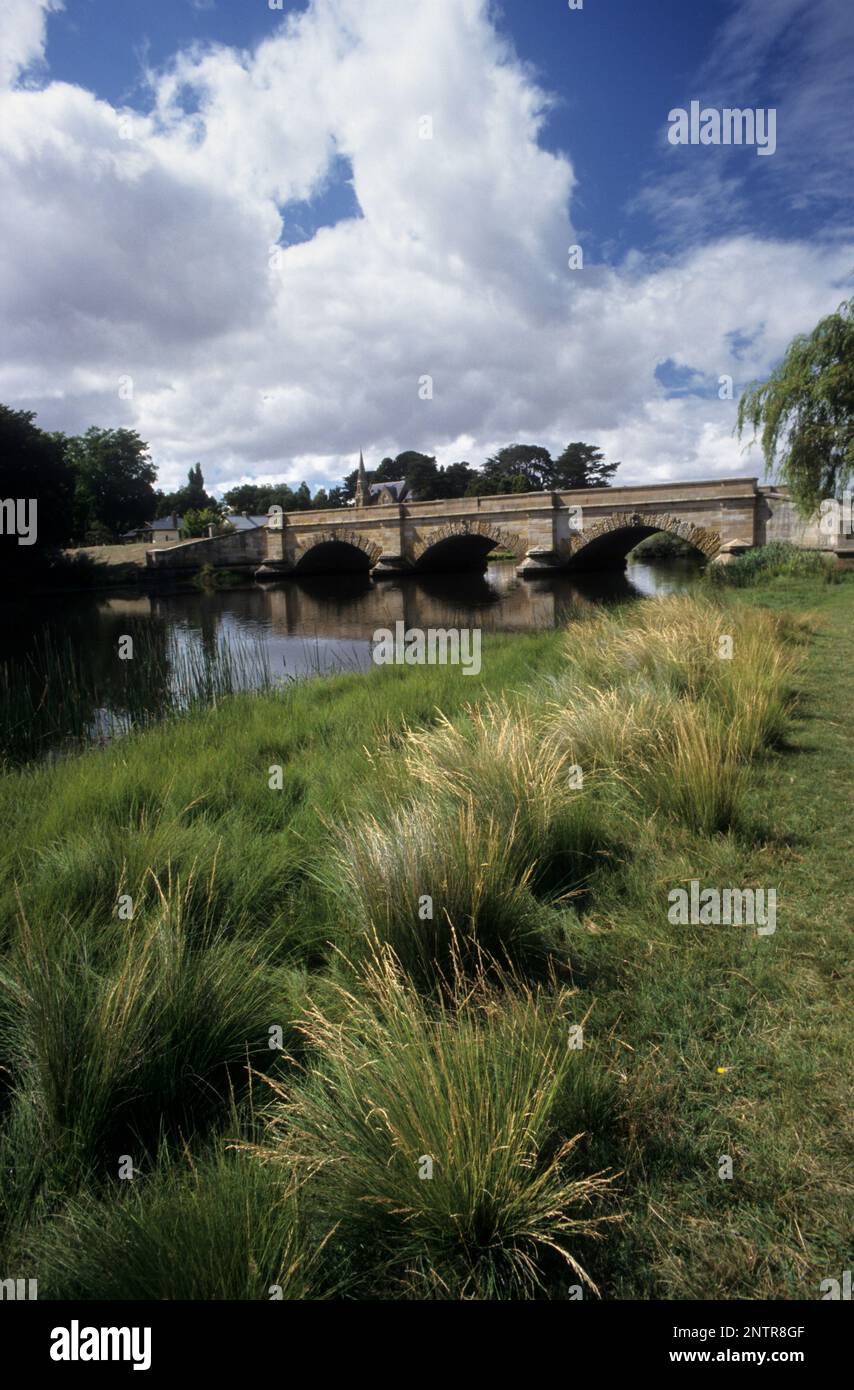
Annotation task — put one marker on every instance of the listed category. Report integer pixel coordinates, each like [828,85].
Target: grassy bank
[102,566]
[409,1018]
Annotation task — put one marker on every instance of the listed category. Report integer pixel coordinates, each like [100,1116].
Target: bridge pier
[537,563]
[391,566]
[270,571]
[544,537]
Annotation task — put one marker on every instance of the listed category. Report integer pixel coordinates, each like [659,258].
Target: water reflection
[315,625]
[321,624]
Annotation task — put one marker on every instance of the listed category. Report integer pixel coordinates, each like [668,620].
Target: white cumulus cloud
[23,25]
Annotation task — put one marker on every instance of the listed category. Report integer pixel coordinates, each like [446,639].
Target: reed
[55,701]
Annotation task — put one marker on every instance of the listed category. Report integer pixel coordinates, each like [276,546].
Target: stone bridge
[544,531]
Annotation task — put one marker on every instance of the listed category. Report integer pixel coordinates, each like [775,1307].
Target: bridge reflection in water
[326,623]
[297,628]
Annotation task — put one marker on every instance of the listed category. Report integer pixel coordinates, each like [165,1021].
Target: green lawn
[772,1012]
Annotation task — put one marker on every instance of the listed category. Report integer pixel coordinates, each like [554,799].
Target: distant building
[377,494]
[166,530]
[384,493]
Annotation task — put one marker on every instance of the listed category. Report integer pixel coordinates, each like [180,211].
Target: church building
[377,494]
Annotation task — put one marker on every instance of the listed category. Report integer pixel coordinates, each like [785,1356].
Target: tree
[113,480]
[805,412]
[421,475]
[348,485]
[246,499]
[515,468]
[256,499]
[455,479]
[195,489]
[197,523]
[33,468]
[418,471]
[190,498]
[582,465]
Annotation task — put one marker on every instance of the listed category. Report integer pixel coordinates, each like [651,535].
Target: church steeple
[361,483]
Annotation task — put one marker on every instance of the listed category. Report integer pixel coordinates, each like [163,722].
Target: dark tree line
[86,488]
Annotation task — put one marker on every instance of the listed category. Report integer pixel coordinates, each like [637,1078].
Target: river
[62,650]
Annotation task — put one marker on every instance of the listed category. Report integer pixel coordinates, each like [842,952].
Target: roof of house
[397,489]
[165,523]
[243,522]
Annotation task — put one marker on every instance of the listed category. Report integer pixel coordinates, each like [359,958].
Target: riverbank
[168,904]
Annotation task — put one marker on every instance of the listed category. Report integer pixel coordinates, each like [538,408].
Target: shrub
[773,561]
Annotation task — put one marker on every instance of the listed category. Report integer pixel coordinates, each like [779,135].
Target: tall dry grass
[658,705]
[440,1134]
[430,876]
[485,811]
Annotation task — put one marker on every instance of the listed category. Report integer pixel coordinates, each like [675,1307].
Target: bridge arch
[612,537]
[461,545]
[336,552]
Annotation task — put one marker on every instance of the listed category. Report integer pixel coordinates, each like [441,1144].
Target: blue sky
[614,69]
[148,250]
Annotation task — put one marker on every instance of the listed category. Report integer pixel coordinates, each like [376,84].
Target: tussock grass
[650,710]
[496,757]
[218,1228]
[672,644]
[114,1034]
[755,691]
[657,705]
[603,730]
[480,1083]
[468,864]
[692,770]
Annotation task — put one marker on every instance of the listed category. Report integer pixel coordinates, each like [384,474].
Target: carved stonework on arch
[709,542]
[452,530]
[340,536]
